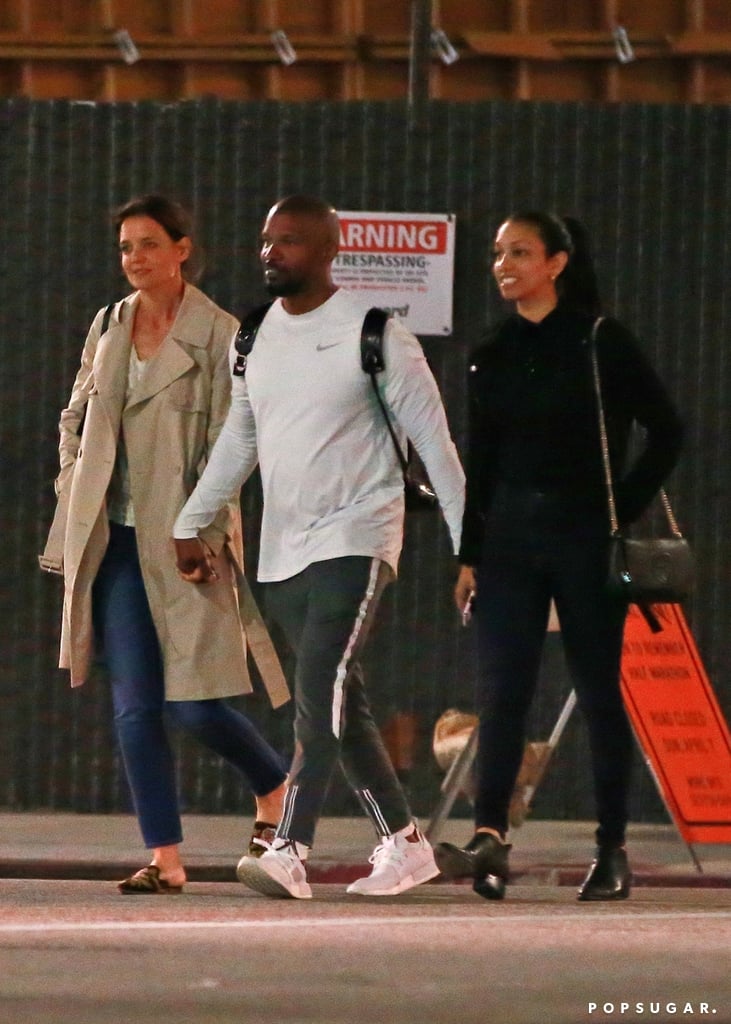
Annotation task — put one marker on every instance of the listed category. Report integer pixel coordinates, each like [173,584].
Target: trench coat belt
[52,558]
[259,641]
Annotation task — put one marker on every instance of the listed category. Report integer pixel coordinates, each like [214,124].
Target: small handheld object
[467,610]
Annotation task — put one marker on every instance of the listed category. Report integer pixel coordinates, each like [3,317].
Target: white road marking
[441,920]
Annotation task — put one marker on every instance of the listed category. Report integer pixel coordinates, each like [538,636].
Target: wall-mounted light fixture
[126,46]
[285,51]
[622,45]
[442,47]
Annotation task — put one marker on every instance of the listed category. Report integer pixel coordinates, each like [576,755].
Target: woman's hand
[465,590]
[194,561]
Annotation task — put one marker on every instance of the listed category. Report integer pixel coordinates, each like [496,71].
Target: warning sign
[678,723]
[404,262]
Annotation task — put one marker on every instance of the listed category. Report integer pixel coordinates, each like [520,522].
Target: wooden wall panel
[152,17]
[655,81]
[305,82]
[388,81]
[714,82]
[10,80]
[454,16]
[715,14]
[653,15]
[226,81]
[222,17]
[146,82]
[556,15]
[311,16]
[582,80]
[384,18]
[71,81]
[542,49]
[468,80]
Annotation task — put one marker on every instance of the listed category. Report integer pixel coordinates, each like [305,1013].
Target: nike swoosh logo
[332,344]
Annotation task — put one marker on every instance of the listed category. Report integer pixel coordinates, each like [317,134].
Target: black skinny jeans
[515,583]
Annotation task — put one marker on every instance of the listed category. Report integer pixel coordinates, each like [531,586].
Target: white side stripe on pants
[289,800]
[339,688]
[374,811]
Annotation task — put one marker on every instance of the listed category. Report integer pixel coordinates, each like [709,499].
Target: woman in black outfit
[536,528]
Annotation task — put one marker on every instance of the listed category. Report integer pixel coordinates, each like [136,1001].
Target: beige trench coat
[170,423]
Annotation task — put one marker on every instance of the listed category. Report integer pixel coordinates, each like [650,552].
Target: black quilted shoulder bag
[643,570]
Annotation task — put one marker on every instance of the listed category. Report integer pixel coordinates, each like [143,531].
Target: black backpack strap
[246,336]
[372,361]
[371,340]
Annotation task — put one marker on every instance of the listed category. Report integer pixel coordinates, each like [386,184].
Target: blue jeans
[126,634]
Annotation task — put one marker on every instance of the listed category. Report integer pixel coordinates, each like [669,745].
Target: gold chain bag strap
[643,570]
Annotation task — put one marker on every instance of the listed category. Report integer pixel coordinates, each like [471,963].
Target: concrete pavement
[72,951]
[87,846]
[75,952]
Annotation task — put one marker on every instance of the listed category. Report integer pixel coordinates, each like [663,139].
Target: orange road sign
[678,723]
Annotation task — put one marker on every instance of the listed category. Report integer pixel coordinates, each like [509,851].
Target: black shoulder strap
[372,361]
[105,327]
[246,336]
[107,316]
[371,340]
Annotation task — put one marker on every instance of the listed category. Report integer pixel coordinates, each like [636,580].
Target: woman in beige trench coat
[152,394]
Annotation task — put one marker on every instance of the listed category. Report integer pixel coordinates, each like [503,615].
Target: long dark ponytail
[577,285]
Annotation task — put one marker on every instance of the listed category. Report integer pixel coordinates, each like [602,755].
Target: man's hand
[194,561]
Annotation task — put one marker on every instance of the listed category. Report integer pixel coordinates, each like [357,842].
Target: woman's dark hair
[577,285]
[173,218]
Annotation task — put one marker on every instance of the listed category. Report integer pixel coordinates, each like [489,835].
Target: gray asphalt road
[77,953]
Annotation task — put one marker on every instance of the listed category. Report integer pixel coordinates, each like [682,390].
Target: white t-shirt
[307,413]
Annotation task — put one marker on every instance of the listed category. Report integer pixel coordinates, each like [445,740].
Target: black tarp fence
[651,182]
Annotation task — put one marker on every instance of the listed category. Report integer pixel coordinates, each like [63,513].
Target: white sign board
[403,261]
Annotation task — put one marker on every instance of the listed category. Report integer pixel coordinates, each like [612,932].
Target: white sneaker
[398,865]
[277,872]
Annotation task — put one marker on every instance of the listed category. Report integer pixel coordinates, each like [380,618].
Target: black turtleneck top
[534,426]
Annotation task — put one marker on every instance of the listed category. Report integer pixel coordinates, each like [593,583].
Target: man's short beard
[281,289]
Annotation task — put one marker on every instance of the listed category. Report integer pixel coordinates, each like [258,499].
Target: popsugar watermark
[651,1008]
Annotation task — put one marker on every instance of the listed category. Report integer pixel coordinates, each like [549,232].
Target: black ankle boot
[609,876]
[484,859]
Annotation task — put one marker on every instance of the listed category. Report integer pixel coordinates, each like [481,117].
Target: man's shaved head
[310,206]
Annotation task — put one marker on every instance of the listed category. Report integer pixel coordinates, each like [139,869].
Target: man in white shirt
[332,529]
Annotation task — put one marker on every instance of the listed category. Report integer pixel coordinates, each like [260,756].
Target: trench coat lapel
[192,328]
[170,362]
